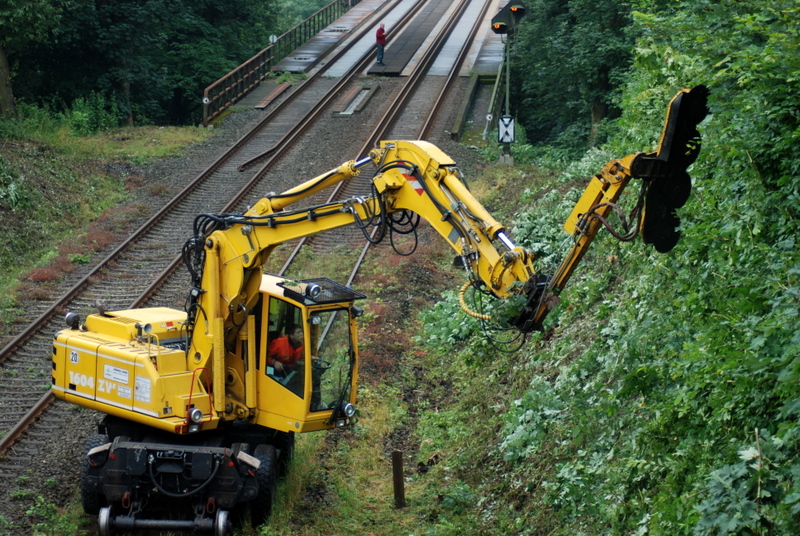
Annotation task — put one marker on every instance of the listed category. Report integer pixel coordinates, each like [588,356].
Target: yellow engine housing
[113,366]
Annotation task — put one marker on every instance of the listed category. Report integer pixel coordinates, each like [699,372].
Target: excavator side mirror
[669,182]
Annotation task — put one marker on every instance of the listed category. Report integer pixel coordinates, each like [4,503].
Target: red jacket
[380,36]
[282,350]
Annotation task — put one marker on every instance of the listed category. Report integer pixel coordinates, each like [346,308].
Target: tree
[567,66]
[21,22]
[749,53]
[293,13]
[208,45]
[152,57]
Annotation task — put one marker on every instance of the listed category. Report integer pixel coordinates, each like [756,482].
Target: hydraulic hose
[465,307]
[188,493]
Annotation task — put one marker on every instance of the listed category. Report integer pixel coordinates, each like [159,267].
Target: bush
[12,188]
[93,114]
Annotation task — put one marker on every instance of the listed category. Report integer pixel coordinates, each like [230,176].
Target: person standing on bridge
[380,41]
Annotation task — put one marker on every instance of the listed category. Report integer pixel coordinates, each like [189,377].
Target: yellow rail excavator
[202,406]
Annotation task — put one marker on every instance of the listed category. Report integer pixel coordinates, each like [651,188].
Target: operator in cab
[286,352]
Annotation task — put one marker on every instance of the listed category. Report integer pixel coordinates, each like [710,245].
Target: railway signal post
[505,23]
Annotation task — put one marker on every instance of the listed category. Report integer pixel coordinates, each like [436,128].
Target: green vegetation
[665,399]
[136,62]
[293,13]
[576,53]
[54,522]
[149,60]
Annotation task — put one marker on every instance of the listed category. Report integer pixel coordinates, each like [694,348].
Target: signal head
[507,18]
[499,28]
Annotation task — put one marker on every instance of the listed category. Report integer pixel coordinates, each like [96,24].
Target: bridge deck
[309,54]
[484,59]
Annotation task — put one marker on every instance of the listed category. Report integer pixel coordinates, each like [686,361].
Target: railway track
[125,278]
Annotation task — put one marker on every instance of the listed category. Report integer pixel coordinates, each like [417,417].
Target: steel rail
[395,108]
[280,148]
[343,81]
[276,152]
[15,433]
[28,332]
[424,132]
[428,123]
[32,329]
[416,77]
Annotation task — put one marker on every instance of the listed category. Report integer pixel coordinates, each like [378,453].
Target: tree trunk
[599,112]
[8,107]
[599,109]
[126,97]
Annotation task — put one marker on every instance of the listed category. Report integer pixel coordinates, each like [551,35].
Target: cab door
[282,366]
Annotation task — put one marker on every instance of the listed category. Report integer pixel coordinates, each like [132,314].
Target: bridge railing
[229,89]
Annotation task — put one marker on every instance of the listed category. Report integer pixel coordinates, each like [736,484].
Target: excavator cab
[307,355]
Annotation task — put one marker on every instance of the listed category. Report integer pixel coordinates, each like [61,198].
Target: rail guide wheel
[104,521]
[221,524]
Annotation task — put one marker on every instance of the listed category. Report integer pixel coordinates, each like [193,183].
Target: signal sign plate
[505,129]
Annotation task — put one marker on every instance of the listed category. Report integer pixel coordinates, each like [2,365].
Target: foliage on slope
[667,401]
[575,53]
[64,197]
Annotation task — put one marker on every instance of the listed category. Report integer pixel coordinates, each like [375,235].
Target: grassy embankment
[58,203]
[59,206]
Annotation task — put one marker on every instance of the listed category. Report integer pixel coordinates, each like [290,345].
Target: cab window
[286,346]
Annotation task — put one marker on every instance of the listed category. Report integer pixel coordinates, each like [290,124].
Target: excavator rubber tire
[91,497]
[261,506]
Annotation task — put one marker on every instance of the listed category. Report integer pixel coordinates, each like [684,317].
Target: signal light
[517,10]
[507,18]
[670,184]
[502,23]
[499,28]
